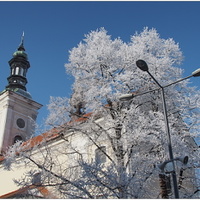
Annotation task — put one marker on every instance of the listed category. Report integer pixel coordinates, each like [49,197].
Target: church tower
[18,111]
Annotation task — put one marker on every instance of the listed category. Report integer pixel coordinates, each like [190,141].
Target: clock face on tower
[20,123]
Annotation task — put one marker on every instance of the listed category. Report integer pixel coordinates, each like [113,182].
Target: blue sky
[53,28]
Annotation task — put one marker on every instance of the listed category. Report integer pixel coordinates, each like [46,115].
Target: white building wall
[13,107]
[63,158]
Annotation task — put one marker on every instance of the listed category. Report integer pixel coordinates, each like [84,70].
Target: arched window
[24,74]
[21,72]
[13,71]
[17,138]
[17,70]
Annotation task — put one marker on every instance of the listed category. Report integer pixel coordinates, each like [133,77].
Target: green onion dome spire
[19,65]
[21,50]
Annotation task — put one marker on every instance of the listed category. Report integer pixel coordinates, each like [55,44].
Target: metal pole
[174,178]
[144,67]
[171,157]
[178,81]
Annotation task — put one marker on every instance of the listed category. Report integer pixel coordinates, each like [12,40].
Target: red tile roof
[43,190]
[49,135]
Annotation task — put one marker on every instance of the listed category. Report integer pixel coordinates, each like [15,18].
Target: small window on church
[17,138]
[100,156]
[17,71]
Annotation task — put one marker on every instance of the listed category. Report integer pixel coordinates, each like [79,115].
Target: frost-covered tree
[129,137]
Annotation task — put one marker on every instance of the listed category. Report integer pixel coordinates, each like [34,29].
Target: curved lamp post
[184,160]
[144,67]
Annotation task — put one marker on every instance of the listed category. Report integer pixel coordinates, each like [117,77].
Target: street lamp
[184,160]
[144,67]
[164,177]
[126,97]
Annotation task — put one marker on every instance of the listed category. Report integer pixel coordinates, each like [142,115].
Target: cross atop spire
[21,46]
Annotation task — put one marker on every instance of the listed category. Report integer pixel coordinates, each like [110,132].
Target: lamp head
[196,73]
[126,97]
[142,65]
[184,159]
